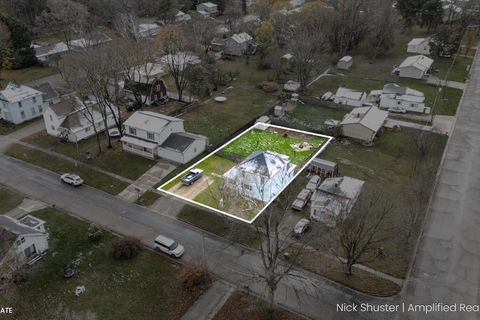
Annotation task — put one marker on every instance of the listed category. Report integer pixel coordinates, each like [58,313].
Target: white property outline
[255,126]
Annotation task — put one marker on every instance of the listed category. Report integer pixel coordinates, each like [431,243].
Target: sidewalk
[210,302]
[147,181]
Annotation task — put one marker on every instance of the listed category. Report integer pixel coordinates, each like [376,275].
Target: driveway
[190,192]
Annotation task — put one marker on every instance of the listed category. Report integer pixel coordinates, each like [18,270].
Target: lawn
[387,166]
[8,127]
[244,102]
[447,101]
[9,200]
[27,74]
[310,117]
[459,70]
[148,198]
[93,178]
[241,306]
[274,140]
[114,160]
[115,289]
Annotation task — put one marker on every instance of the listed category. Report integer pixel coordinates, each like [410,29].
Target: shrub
[126,248]
[94,233]
[195,278]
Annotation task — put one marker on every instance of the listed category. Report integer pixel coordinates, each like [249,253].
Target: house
[207,9]
[93,39]
[51,52]
[76,120]
[179,60]
[419,46]
[154,135]
[143,83]
[50,95]
[350,97]
[396,98]
[145,30]
[363,123]
[20,243]
[19,103]
[262,175]
[334,199]
[181,16]
[345,63]
[238,44]
[323,168]
[415,67]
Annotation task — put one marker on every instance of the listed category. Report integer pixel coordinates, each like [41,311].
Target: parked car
[169,246]
[192,176]
[133,106]
[301,199]
[71,179]
[327,96]
[397,109]
[300,228]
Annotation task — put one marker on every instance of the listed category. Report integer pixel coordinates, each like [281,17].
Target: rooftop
[370,117]
[18,92]
[420,62]
[149,121]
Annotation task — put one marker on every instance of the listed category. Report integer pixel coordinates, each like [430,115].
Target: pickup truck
[192,176]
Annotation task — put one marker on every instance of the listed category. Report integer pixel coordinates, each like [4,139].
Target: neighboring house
[345,63]
[350,97]
[143,83]
[154,135]
[50,95]
[334,199]
[182,17]
[207,9]
[419,46]
[145,30]
[94,39]
[19,103]
[396,98]
[75,120]
[238,44]
[50,53]
[363,123]
[415,67]
[262,175]
[20,243]
[323,168]
[179,60]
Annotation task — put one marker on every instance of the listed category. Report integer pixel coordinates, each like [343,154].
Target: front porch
[139,147]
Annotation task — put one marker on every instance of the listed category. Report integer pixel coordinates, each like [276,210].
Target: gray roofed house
[363,123]
[50,95]
[179,141]
[334,199]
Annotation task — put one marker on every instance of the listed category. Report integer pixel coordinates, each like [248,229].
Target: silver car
[71,179]
[300,228]
[169,246]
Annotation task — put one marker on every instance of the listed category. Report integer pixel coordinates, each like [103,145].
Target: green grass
[263,140]
[459,71]
[244,103]
[388,165]
[27,74]
[9,200]
[447,101]
[93,178]
[8,127]
[114,160]
[148,198]
[310,117]
[115,289]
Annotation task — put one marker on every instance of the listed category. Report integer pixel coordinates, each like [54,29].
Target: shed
[363,123]
[323,168]
[345,63]
[350,97]
[415,67]
[419,46]
[279,111]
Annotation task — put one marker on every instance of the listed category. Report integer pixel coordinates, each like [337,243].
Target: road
[447,266]
[306,293]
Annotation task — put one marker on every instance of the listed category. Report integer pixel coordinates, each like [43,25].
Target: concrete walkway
[147,181]
[210,302]
[24,208]
[395,122]
[323,74]
[451,84]
[34,127]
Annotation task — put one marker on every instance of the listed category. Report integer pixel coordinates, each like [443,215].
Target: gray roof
[265,163]
[370,117]
[15,227]
[179,141]
[48,92]
[345,187]
[325,164]
[63,108]
[149,121]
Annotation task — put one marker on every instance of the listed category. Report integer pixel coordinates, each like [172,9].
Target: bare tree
[5,52]
[200,32]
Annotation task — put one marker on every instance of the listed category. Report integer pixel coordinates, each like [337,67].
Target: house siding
[358,131]
[12,112]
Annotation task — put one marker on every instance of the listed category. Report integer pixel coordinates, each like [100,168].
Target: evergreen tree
[22,54]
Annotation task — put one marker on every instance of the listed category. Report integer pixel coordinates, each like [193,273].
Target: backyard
[115,289]
[27,74]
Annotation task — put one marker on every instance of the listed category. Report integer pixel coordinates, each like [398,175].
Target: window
[34,99]
[33,110]
[40,109]
[53,128]
[87,129]
[20,104]
[132,131]
[51,118]
[22,114]
[150,136]
[246,186]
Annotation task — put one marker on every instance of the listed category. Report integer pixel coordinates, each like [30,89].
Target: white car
[169,246]
[71,179]
[300,228]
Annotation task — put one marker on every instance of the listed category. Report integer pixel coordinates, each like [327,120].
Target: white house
[207,9]
[415,67]
[238,44]
[345,63]
[50,52]
[154,135]
[350,97]
[363,123]
[145,30]
[334,199]
[395,98]
[75,120]
[20,243]
[419,46]
[19,103]
[262,175]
